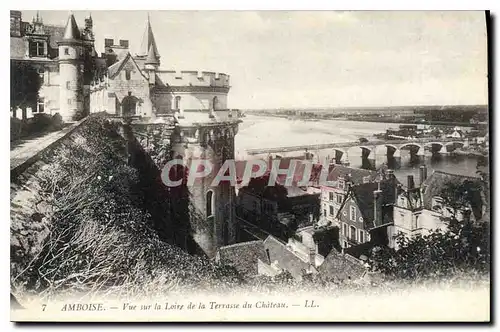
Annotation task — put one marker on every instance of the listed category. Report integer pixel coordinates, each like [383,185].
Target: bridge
[416,147]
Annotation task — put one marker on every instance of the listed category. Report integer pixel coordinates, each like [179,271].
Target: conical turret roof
[71,32]
[148,41]
[152,58]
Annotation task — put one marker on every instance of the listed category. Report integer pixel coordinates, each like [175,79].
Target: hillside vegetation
[78,224]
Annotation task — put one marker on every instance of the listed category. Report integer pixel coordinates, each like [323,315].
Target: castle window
[41,105]
[68,83]
[37,49]
[66,51]
[215,103]
[352,213]
[331,196]
[331,210]
[69,101]
[127,75]
[345,229]
[361,236]
[178,102]
[210,203]
[339,199]
[41,72]
[353,233]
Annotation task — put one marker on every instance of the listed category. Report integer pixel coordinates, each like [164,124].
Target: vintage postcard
[249,166]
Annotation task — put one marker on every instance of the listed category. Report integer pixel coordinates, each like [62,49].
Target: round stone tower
[71,67]
[212,216]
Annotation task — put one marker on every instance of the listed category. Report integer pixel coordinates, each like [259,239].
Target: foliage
[101,237]
[457,195]
[463,247]
[25,82]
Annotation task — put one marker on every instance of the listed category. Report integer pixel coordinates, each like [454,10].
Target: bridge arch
[454,143]
[410,144]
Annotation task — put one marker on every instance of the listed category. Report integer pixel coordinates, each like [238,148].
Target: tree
[464,246]
[25,83]
[458,196]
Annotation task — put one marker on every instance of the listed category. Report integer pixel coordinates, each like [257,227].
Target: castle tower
[71,67]
[213,223]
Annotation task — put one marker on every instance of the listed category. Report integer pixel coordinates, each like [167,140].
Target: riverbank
[364,118]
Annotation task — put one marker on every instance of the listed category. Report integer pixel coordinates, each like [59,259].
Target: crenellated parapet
[190,78]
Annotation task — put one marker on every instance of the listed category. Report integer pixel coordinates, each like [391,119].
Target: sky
[315,58]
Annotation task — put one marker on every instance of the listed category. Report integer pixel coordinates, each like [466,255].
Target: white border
[199,5]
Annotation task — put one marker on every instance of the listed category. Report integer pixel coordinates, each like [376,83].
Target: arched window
[178,102]
[210,203]
[215,103]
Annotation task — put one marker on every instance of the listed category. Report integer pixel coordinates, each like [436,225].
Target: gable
[127,64]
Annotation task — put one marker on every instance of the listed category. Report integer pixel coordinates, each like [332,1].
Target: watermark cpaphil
[297,172]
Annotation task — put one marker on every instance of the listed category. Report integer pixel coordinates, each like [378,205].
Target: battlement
[193,78]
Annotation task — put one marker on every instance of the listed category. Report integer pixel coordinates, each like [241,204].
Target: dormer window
[37,49]
[437,203]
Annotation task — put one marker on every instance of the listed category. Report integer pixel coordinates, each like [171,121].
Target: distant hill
[379,109]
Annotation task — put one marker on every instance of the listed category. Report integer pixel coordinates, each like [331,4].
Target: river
[260,131]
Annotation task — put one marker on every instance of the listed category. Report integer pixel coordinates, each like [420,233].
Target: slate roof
[148,41]
[434,184]
[18,45]
[152,56]
[115,68]
[286,259]
[363,195]
[17,48]
[56,33]
[71,32]
[356,175]
[337,266]
[244,256]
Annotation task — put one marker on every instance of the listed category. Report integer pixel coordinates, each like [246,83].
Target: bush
[100,237]
[464,248]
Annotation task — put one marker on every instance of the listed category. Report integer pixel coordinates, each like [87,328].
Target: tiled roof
[244,256]
[337,266]
[435,183]
[287,260]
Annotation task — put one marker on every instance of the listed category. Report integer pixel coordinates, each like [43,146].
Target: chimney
[423,174]
[411,182]
[377,206]
[312,257]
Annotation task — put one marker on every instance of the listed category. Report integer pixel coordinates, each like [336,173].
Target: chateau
[77,80]
[187,108]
